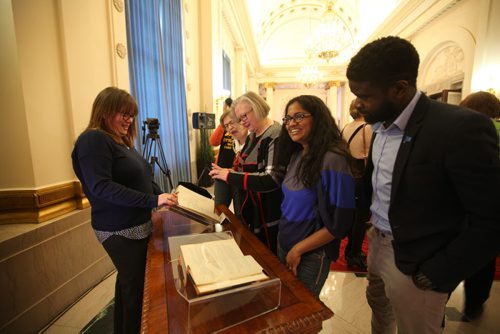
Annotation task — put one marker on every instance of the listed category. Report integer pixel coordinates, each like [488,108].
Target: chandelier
[309,75]
[333,37]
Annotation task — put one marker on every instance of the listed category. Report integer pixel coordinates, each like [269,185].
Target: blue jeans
[313,268]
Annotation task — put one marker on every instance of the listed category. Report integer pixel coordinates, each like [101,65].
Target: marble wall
[45,268]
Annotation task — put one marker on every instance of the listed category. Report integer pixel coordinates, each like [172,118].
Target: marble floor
[344,293]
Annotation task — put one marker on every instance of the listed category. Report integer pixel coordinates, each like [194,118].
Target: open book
[219,264]
[191,203]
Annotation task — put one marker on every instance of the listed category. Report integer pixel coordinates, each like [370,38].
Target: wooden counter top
[299,311]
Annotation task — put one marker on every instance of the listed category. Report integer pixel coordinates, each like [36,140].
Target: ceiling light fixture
[333,36]
[309,75]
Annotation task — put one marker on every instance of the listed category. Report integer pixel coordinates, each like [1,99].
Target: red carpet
[497,272]
[341,265]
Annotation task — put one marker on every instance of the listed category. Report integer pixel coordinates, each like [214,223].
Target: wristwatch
[422,282]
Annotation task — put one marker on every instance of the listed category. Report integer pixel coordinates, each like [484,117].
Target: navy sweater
[331,204]
[117,181]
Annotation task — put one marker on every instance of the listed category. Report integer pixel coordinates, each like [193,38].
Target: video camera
[153,125]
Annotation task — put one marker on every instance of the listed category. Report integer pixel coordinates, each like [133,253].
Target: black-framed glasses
[126,116]
[228,124]
[297,118]
[244,117]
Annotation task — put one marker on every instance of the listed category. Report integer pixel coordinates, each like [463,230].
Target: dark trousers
[357,233]
[223,193]
[269,237]
[129,258]
[477,287]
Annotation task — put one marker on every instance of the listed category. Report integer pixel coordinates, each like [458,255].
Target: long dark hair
[325,136]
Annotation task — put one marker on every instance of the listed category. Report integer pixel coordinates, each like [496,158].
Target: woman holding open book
[257,177]
[119,185]
[318,191]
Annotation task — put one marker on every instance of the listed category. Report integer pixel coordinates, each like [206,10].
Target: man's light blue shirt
[384,151]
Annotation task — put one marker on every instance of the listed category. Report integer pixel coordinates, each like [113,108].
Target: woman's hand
[219,173]
[293,260]
[167,199]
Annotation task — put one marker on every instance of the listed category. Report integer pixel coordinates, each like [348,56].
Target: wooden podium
[299,310]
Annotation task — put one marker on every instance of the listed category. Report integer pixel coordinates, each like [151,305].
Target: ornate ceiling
[276,34]
[283,29]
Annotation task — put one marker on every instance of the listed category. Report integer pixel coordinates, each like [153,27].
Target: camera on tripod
[153,125]
[153,151]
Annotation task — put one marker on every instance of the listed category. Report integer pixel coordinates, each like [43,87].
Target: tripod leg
[164,166]
[205,170]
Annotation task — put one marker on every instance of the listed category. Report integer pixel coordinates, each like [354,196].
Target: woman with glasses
[318,191]
[257,176]
[119,185]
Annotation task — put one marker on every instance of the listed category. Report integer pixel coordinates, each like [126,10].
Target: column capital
[268,85]
[331,84]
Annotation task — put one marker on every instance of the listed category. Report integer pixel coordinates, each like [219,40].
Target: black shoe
[356,262]
[472,313]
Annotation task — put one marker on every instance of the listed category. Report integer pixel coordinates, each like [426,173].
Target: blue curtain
[154,33]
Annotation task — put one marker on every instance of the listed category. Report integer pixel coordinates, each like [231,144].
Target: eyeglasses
[228,124]
[244,117]
[126,116]
[297,118]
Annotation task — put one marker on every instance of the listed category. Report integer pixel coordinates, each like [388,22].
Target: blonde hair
[258,104]
[109,102]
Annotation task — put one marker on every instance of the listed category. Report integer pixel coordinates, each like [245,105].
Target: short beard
[387,112]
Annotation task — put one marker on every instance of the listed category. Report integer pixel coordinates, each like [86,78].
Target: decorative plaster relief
[331,84]
[447,63]
[121,50]
[118,5]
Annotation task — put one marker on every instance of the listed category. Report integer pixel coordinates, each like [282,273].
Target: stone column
[270,96]
[44,113]
[332,100]
[239,75]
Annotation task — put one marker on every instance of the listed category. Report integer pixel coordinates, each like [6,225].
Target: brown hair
[483,102]
[109,102]
[224,114]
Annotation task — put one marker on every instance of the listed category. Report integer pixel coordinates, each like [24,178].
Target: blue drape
[154,33]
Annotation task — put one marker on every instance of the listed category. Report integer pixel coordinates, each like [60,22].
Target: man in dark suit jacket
[433,177]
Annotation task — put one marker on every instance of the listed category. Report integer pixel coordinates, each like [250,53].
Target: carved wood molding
[298,326]
[39,205]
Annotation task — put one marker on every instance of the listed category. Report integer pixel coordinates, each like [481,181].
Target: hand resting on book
[167,199]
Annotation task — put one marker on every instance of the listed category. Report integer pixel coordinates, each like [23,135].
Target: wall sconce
[486,79]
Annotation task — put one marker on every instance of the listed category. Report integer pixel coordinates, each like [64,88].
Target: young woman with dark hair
[318,190]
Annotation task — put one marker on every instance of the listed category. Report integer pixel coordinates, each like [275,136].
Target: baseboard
[40,205]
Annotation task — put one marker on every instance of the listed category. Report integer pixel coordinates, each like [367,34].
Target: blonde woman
[257,176]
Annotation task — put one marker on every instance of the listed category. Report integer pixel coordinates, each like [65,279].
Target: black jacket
[444,210]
